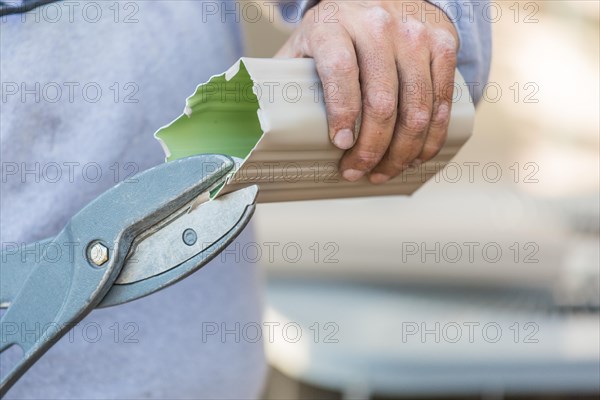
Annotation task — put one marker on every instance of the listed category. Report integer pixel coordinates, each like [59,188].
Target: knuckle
[381,104]
[445,42]
[447,49]
[441,119]
[342,117]
[343,113]
[416,121]
[365,160]
[415,31]
[430,150]
[378,19]
[342,60]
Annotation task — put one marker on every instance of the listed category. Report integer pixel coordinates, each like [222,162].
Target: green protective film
[221,118]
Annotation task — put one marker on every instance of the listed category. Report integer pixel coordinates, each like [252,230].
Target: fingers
[416,104]
[379,87]
[443,67]
[398,73]
[336,61]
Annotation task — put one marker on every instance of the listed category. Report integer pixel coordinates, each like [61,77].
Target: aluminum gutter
[271,113]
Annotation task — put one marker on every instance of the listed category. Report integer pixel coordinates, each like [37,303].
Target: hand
[390,65]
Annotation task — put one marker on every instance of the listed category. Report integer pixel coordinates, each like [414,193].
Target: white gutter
[292,158]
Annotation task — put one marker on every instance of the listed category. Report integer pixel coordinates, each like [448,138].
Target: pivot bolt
[189,237]
[98,254]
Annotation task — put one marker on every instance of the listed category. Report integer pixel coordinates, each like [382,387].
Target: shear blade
[168,252]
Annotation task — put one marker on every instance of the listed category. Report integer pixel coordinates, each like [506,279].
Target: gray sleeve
[306,4]
[292,11]
[475,34]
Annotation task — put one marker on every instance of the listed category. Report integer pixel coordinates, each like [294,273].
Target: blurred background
[485,283]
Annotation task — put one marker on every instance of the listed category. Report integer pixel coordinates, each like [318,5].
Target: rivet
[189,237]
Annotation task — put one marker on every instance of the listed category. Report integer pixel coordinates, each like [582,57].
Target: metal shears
[135,239]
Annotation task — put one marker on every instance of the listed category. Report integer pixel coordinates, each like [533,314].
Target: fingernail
[344,139]
[379,178]
[352,175]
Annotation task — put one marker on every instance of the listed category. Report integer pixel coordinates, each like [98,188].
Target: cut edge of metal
[295,137]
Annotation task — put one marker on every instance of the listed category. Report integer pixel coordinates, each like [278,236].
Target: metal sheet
[271,113]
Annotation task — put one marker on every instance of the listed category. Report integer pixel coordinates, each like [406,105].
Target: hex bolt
[189,237]
[98,254]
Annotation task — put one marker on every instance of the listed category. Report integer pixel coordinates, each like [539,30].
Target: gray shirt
[84,86]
